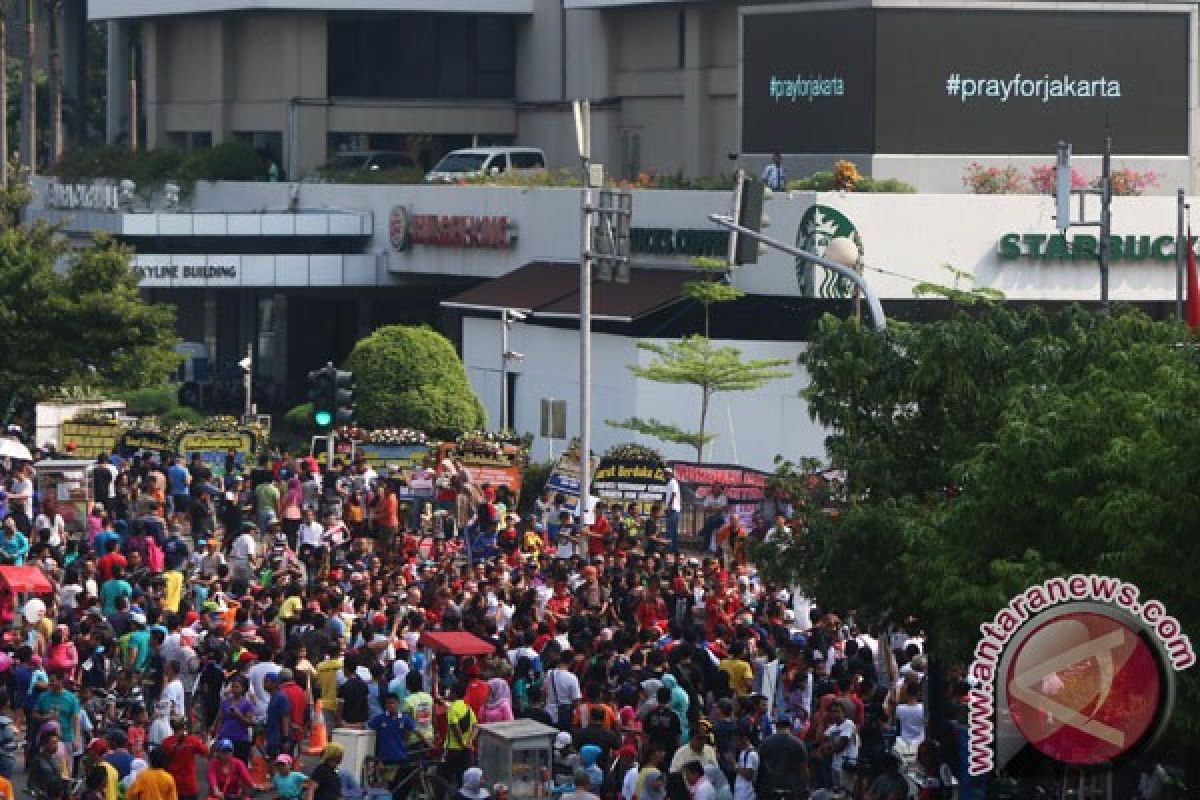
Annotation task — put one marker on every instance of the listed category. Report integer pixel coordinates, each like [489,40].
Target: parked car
[362,163]
[475,161]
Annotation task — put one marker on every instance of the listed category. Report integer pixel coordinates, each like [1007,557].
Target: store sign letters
[1085,247]
[467,232]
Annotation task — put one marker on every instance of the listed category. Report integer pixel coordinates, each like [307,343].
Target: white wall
[752,427]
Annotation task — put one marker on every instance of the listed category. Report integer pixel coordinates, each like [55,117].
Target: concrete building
[676,87]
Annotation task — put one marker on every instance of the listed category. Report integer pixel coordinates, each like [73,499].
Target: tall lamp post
[507,317]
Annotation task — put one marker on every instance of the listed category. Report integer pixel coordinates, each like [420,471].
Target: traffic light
[322,394]
[343,396]
[749,197]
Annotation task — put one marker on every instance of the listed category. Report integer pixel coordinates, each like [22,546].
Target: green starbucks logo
[819,225]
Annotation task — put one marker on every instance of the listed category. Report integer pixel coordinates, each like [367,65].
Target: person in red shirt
[183,749]
[558,607]
[299,703]
[387,517]
[107,562]
[477,691]
[599,532]
[652,611]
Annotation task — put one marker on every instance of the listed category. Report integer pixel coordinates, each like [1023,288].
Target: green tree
[696,361]
[713,289]
[996,448]
[412,377]
[86,325]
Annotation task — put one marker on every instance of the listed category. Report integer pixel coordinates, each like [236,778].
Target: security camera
[513,355]
[246,364]
[519,316]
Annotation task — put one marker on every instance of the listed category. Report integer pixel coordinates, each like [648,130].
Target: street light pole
[585,353]
[876,308]
[503,368]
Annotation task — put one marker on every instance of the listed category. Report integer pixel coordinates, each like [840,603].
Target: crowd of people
[220,618]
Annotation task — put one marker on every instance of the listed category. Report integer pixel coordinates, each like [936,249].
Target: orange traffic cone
[259,772]
[319,736]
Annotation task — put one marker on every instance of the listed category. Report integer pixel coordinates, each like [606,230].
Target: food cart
[518,754]
[69,483]
[441,653]
[19,588]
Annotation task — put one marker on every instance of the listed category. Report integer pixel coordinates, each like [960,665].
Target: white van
[475,161]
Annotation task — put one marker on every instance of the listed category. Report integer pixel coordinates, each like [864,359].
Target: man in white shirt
[243,557]
[674,507]
[173,692]
[699,786]
[841,743]
[561,688]
[312,540]
[258,690]
[746,766]
[773,175]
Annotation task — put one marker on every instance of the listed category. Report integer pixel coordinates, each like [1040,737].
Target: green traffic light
[322,418]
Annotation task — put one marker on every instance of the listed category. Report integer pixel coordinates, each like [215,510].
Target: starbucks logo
[819,225]
[398,229]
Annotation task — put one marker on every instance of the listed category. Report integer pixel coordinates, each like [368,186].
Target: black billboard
[808,82]
[966,81]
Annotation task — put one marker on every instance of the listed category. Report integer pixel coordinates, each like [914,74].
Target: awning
[455,643]
[551,290]
[22,580]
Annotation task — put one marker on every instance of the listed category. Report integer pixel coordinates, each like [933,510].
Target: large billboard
[965,81]
[808,82]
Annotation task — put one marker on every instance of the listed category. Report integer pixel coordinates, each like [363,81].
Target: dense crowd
[223,618]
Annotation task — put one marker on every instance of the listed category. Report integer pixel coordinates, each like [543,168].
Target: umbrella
[11,448]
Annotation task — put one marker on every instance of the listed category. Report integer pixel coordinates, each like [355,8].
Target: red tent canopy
[20,580]
[455,643]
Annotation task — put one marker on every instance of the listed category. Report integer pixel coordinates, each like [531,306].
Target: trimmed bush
[412,377]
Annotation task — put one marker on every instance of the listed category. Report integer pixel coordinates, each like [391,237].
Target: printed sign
[88,439]
[627,482]
[1080,667]
[503,469]
[564,478]
[213,446]
[745,487]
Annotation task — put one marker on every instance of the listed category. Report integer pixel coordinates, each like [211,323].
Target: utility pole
[1105,218]
[1181,242]
[29,90]
[585,353]
[247,365]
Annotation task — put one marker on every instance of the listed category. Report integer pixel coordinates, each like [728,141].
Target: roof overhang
[550,291]
[133,9]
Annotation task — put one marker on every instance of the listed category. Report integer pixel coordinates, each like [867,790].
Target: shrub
[1044,179]
[826,182]
[181,414]
[396,175]
[156,401]
[228,161]
[550,177]
[299,418]
[993,180]
[146,169]
[412,377]
[1130,182]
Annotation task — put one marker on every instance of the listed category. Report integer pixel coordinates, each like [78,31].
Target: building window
[268,144]
[420,56]
[187,141]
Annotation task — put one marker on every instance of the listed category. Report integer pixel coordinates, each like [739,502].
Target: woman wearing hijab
[679,702]
[472,785]
[498,707]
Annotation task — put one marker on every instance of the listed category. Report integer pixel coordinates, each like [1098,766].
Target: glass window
[461,162]
[497,163]
[527,160]
[421,55]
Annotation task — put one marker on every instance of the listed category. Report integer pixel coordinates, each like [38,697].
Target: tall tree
[696,361]
[996,448]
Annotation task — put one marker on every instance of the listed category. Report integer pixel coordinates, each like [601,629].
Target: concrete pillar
[221,69]
[696,118]
[210,325]
[148,83]
[74,52]
[116,112]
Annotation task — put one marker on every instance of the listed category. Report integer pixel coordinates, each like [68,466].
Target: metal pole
[876,308]
[585,354]
[1105,218]
[1180,255]
[248,380]
[503,369]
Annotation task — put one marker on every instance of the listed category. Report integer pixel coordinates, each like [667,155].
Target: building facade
[675,87]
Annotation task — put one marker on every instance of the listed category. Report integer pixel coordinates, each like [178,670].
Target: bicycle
[415,779]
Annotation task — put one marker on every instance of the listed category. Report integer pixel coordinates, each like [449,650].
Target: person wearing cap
[228,777]
[93,761]
[327,783]
[289,783]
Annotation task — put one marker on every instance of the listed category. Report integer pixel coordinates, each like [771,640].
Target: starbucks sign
[1084,247]
[818,226]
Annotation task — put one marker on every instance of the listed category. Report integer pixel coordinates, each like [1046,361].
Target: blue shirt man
[391,732]
[177,479]
[279,710]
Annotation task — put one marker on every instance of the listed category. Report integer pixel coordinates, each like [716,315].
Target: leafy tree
[412,377]
[696,361]
[996,448]
[713,289]
[86,325]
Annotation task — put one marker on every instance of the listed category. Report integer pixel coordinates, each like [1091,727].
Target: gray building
[674,86]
